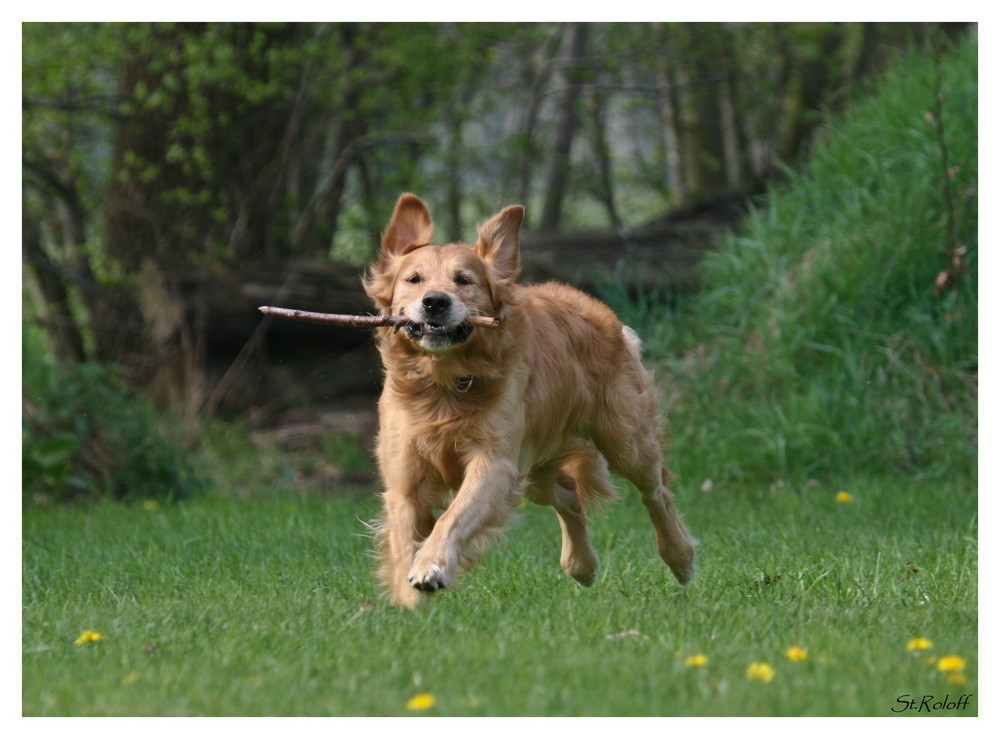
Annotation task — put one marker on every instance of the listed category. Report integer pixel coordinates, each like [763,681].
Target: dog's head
[439,287]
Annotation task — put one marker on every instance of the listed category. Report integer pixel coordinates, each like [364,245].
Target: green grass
[268,606]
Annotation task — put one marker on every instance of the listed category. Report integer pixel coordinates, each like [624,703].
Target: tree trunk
[557,175]
[348,136]
[63,332]
[58,278]
[145,236]
[811,83]
[733,134]
[666,79]
[702,144]
[605,182]
[528,154]
[453,174]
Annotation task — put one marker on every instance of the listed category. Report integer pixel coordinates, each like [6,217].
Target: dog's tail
[632,340]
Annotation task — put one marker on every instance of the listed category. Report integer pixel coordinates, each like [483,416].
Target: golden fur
[472,420]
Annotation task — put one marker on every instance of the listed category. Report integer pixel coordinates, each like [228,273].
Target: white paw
[428,579]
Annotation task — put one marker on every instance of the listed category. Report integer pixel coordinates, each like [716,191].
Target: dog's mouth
[435,335]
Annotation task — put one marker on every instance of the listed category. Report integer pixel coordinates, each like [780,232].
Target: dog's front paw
[428,578]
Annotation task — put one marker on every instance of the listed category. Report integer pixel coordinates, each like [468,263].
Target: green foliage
[819,343]
[268,606]
[85,437]
[218,120]
[68,72]
[245,120]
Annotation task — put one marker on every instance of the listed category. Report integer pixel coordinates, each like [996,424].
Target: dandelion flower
[797,654]
[151,505]
[420,702]
[88,636]
[696,660]
[760,671]
[843,497]
[951,663]
[956,678]
[918,644]
[131,678]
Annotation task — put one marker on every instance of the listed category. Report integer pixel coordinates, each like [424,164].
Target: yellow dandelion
[131,678]
[420,702]
[797,654]
[956,678]
[951,663]
[151,505]
[918,644]
[696,660]
[760,671]
[843,497]
[88,636]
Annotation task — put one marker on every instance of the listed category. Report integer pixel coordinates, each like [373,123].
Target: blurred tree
[160,158]
[209,118]
[228,142]
[69,103]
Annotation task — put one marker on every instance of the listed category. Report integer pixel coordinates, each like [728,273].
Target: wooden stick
[341,319]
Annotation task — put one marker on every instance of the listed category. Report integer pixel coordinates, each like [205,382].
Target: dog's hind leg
[641,464]
[628,437]
[578,559]
[675,545]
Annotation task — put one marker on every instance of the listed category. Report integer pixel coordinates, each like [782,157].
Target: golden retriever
[472,419]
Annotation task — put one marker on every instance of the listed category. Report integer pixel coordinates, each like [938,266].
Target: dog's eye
[414,279]
[462,280]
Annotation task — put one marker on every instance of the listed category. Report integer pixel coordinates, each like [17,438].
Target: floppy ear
[500,242]
[410,225]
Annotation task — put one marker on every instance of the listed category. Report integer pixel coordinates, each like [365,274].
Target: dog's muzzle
[435,323]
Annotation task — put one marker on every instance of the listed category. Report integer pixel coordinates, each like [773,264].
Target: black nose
[436,303]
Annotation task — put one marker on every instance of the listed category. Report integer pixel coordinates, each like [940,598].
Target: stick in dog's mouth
[341,319]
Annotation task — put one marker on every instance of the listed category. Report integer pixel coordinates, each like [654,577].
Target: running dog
[473,419]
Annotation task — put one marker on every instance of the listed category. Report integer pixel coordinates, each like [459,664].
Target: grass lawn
[268,607]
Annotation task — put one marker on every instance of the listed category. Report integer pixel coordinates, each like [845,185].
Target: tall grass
[819,344]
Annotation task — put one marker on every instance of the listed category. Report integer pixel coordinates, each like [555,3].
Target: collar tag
[462,384]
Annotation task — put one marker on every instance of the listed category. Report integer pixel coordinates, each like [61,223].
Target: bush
[85,437]
[819,344]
